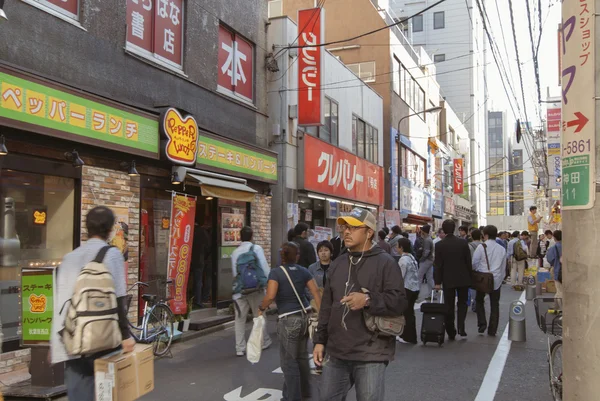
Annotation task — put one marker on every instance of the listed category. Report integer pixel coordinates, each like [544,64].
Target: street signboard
[578,109]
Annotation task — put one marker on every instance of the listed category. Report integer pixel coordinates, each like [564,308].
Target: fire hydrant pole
[580,201]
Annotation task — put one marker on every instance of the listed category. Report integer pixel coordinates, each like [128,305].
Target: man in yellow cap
[364,277]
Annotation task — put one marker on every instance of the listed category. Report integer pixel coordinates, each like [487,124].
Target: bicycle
[549,320]
[157,326]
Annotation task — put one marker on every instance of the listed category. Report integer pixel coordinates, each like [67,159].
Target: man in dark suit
[452,269]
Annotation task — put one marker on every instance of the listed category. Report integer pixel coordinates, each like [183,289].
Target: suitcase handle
[441,295]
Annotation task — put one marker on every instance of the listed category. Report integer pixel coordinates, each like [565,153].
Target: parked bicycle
[157,326]
[549,319]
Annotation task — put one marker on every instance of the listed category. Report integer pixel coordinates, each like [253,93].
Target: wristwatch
[368,302]
[260,308]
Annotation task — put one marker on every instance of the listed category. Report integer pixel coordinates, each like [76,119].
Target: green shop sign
[227,156]
[37,303]
[59,112]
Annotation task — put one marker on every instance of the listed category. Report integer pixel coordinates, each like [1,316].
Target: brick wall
[261,223]
[103,187]
[14,365]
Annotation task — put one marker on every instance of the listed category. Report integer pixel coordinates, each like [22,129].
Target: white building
[351,108]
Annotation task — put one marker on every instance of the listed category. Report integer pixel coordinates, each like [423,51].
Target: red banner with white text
[333,171]
[458,176]
[181,237]
[310,66]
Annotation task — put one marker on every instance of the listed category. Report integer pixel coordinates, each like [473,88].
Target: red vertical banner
[458,176]
[310,66]
[139,24]
[168,31]
[181,237]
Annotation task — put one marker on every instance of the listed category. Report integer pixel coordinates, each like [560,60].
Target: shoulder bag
[484,281]
[312,319]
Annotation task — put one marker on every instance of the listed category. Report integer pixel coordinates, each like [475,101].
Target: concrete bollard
[530,292]
[516,323]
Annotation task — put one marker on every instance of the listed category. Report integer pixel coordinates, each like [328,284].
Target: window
[438,58]
[365,71]
[411,92]
[155,31]
[67,8]
[235,65]
[329,131]
[396,73]
[417,22]
[365,141]
[438,20]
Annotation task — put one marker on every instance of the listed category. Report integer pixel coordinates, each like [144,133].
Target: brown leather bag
[484,281]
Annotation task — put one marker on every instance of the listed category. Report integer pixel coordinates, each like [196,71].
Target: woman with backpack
[410,271]
[287,286]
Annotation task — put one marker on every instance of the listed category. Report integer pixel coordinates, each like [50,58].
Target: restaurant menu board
[37,292]
[320,234]
[162,223]
[231,227]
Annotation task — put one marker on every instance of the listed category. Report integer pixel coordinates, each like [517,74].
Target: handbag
[484,281]
[312,320]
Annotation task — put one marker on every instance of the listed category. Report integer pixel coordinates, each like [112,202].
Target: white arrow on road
[311,363]
[258,395]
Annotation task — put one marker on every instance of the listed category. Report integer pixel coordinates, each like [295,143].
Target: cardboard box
[125,377]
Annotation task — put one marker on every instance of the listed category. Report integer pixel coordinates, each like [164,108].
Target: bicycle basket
[548,315]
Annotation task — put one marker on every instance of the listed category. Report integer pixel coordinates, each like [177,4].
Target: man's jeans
[339,376]
[242,306]
[292,331]
[79,379]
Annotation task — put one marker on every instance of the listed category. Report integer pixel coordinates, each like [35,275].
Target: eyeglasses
[352,229]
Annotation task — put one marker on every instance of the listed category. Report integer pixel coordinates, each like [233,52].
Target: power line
[512,23]
[535,59]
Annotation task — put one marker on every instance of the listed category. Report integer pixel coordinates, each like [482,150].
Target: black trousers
[450,295]
[494,311]
[410,328]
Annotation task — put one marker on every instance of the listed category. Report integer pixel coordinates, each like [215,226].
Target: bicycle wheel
[556,370]
[160,328]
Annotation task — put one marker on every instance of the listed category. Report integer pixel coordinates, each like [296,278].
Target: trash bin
[516,322]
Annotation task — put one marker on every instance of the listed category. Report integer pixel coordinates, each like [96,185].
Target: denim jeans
[292,331]
[79,379]
[339,376]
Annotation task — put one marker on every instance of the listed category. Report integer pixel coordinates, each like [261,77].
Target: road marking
[260,394]
[492,378]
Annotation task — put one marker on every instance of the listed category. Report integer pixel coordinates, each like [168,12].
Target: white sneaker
[239,353]
[400,340]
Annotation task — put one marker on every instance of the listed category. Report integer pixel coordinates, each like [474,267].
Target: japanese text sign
[310,66]
[62,114]
[438,193]
[37,302]
[458,176]
[333,171]
[449,206]
[236,65]
[553,120]
[156,27]
[578,105]
[182,137]
[215,153]
[181,237]
[414,200]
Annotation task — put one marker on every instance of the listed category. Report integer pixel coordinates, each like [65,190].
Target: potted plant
[184,323]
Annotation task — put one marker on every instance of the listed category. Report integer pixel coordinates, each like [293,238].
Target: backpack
[250,276]
[92,318]
[519,252]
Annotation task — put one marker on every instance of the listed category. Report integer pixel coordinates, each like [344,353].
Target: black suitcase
[433,327]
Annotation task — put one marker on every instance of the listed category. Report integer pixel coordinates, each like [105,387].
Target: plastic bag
[254,346]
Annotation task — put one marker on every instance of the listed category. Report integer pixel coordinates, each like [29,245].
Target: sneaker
[400,340]
[267,345]
[481,331]
[239,353]
[463,335]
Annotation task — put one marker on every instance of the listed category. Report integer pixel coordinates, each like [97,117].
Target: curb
[192,335]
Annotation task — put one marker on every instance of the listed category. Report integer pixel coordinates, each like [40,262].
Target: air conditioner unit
[275,8]
[293,111]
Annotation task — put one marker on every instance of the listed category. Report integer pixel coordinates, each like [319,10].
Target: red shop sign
[181,237]
[458,176]
[236,64]
[310,66]
[333,171]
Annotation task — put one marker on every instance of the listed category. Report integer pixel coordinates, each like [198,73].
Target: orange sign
[458,176]
[39,217]
[182,137]
[37,303]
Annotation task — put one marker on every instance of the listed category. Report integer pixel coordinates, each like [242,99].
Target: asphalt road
[208,370]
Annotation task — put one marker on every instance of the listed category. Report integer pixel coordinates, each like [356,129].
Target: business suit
[452,270]
[308,255]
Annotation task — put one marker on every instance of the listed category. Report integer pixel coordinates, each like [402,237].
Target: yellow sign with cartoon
[182,137]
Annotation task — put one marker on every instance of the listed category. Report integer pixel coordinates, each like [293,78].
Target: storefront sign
[395,191]
[182,137]
[437,198]
[33,106]
[215,153]
[181,236]
[458,176]
[392,218]
[235,65]
[414,200]
[578,112]
[449,207]
[310,66]
[332,210]
[333,171]
[463,213]
[308,215]
[553,117]
[37,302]
[40,216]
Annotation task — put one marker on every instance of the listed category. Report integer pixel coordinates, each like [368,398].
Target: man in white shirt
[247,302]
[491,257]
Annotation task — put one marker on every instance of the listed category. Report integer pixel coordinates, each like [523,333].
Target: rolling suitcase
[433,327]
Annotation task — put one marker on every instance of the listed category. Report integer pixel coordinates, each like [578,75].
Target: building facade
[521,174]
[497,166]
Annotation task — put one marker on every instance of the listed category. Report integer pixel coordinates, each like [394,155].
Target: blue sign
[414,200]
[517,309]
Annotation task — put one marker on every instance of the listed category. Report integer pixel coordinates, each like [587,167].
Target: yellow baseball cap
[359,217]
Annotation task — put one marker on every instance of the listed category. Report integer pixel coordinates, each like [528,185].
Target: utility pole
[581,207]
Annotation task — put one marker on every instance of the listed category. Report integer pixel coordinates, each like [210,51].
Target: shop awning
[417,220]
[218,185]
